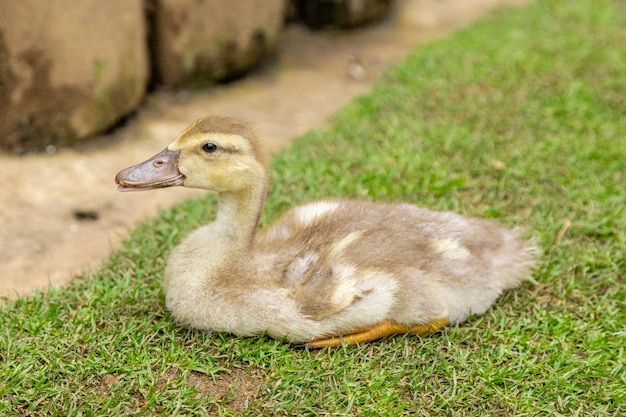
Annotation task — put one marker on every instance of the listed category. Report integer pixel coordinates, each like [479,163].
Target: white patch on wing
[376,295]
[308,213]
[299,267]
[450,248]
[281,232]
[341,244]
[345,290]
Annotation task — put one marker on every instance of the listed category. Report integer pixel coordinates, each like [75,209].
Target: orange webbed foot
[377,331]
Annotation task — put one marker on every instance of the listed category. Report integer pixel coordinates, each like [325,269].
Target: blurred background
[89,87]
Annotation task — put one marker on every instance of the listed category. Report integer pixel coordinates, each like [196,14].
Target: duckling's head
[214,153]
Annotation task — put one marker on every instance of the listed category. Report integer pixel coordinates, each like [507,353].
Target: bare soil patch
[234,389]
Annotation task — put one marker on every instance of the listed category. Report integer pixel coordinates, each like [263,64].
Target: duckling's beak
[160,171]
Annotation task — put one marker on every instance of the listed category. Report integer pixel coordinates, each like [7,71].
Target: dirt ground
[60,212]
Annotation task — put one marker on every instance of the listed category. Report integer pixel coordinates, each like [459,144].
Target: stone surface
[68,69]
[318,14]
[198,42]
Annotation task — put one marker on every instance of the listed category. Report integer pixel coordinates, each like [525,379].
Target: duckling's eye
[209,147]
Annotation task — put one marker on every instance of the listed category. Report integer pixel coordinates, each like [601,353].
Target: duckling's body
[326,272]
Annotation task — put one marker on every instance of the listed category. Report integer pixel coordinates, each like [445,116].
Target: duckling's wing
[334,286]
[324,283]
[307,258]
[323,293]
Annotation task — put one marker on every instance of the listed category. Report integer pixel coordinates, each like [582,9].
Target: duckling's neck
[218,251]
[238,218]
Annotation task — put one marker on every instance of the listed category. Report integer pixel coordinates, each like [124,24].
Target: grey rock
[319,14]
[68,69]
[198,42]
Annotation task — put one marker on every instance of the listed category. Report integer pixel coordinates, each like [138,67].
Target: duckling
[329,272]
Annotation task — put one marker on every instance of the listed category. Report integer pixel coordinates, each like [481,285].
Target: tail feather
[519,259]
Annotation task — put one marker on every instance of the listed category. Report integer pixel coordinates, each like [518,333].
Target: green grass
[521,117]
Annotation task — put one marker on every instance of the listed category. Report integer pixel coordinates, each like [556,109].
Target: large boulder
[198,42]
[318,14]
[68,69]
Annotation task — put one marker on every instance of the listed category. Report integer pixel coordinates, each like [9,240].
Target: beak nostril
[158,163]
